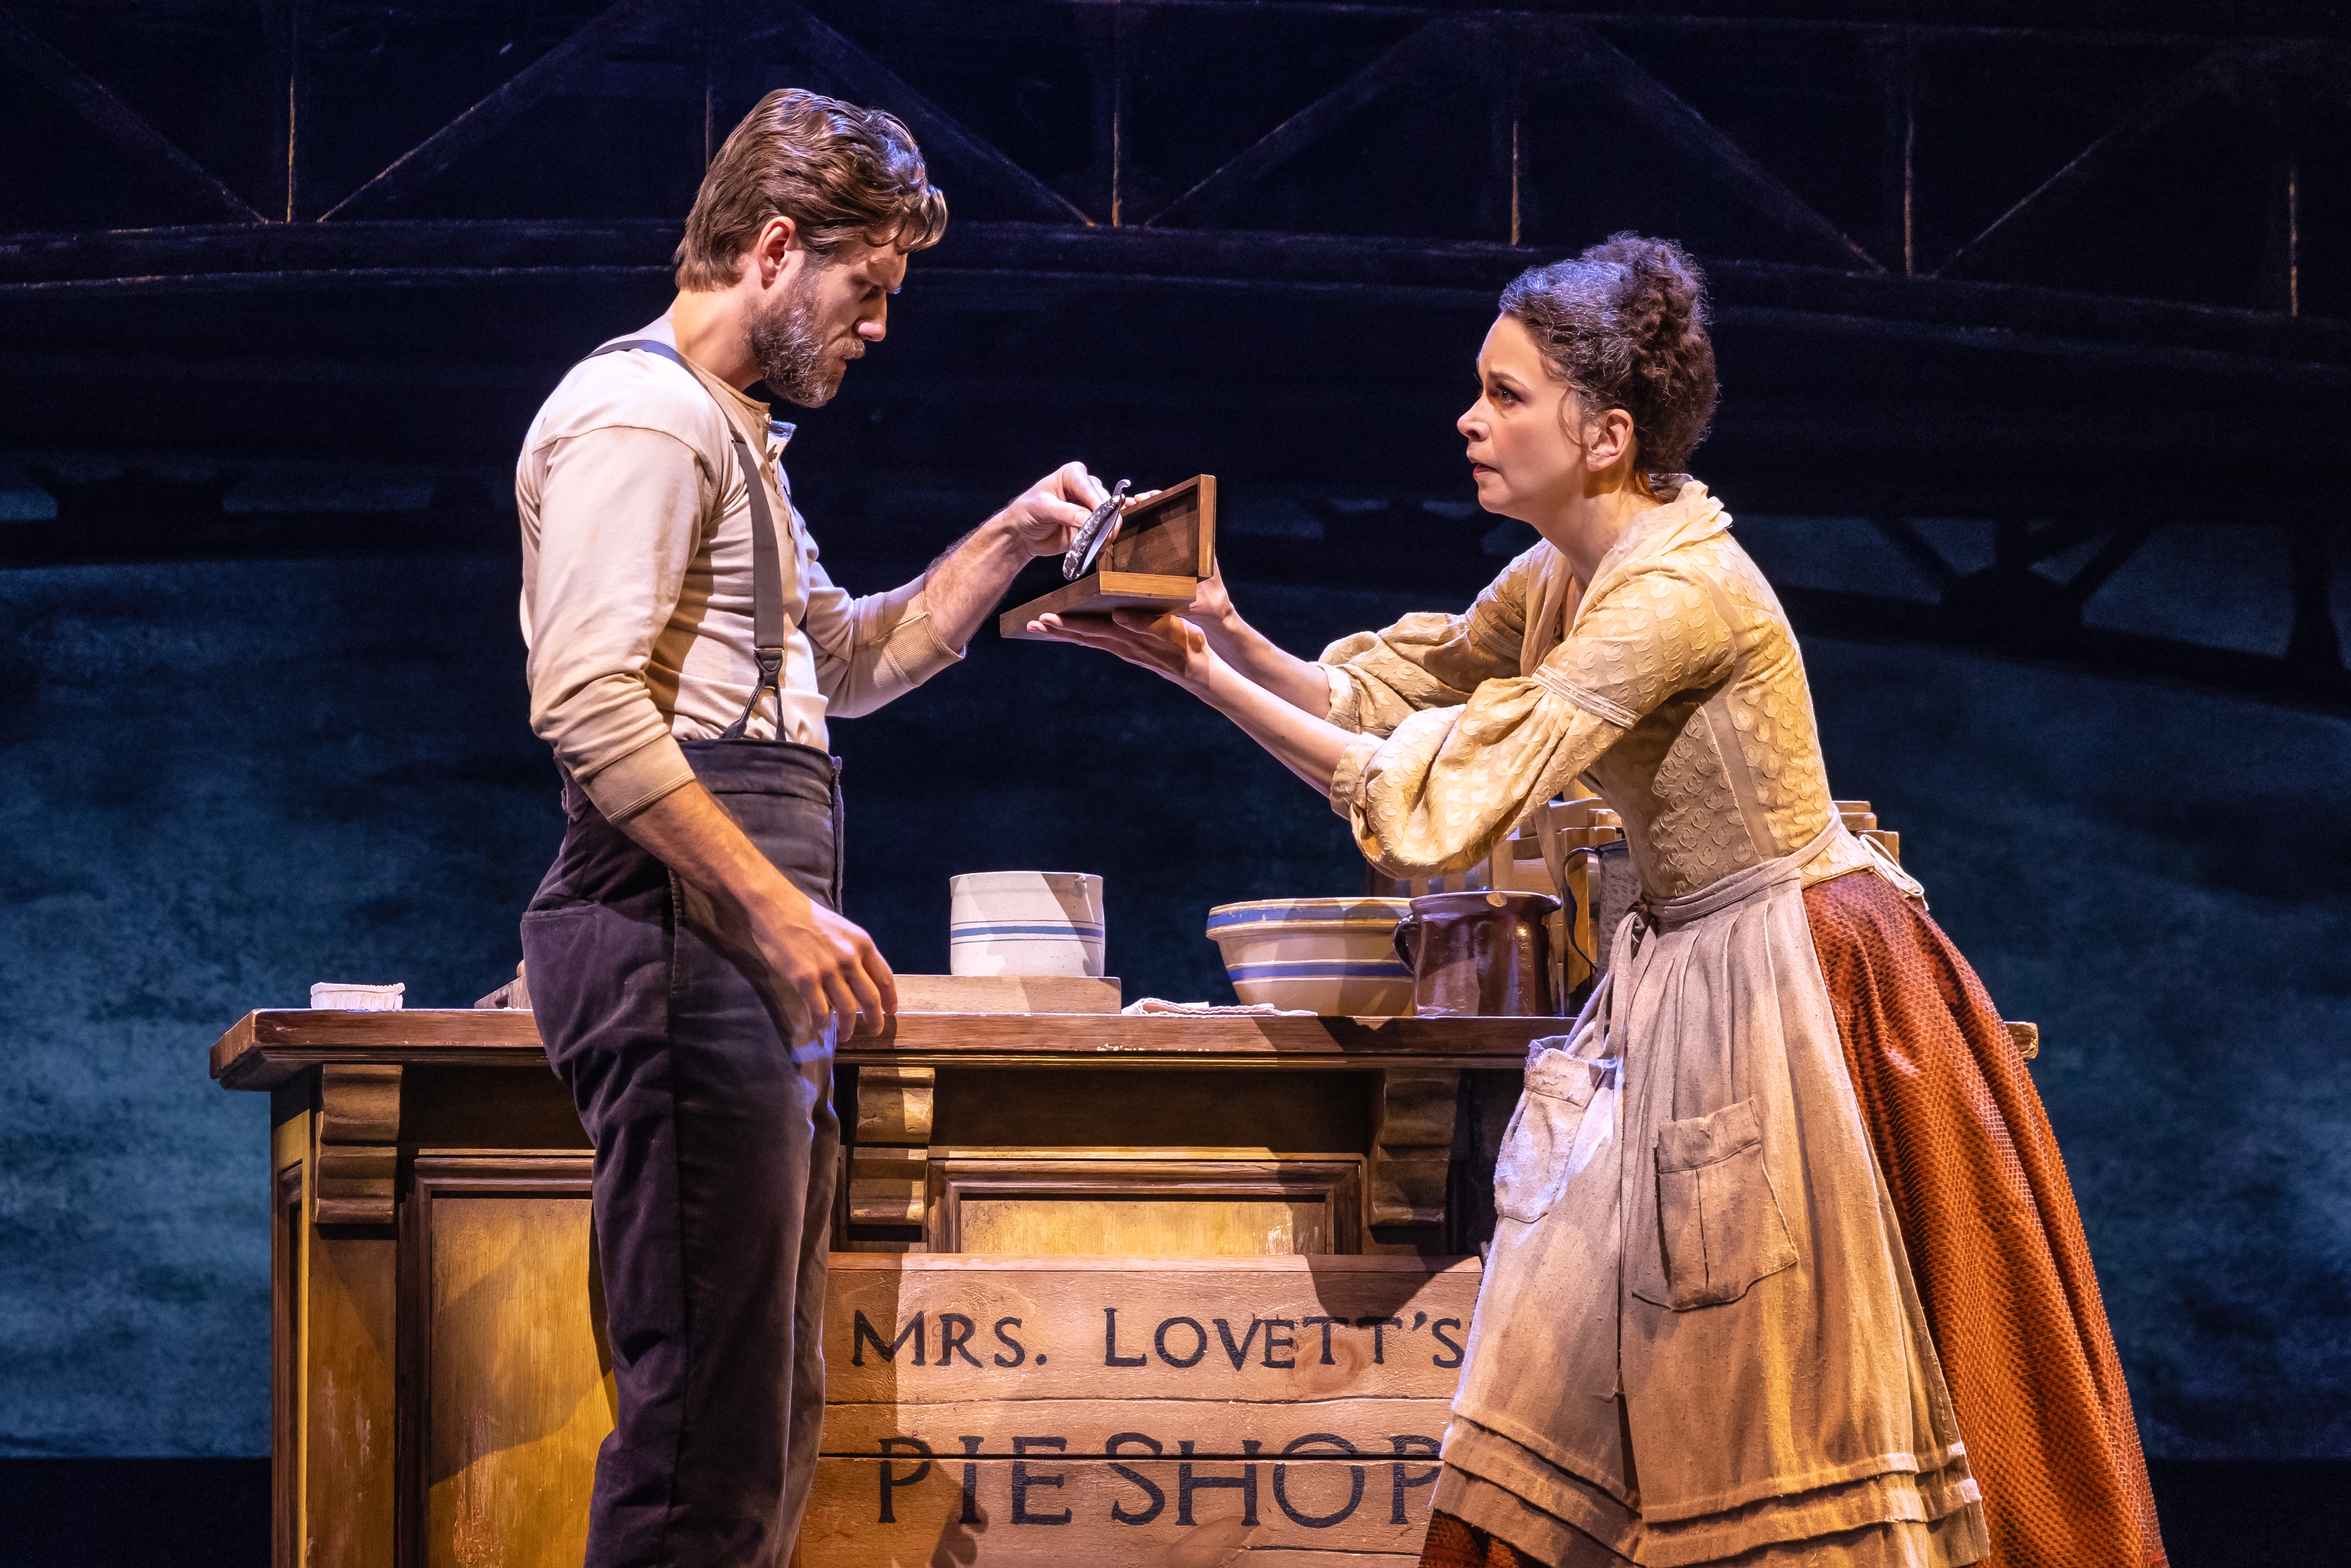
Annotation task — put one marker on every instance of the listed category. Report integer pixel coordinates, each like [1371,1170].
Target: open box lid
[1165,546]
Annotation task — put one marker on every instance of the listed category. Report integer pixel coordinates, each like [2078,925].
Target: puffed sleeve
[1442,790]
[1431,660]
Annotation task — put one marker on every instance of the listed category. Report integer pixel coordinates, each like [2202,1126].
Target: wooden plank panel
[984,1428]
[1008,994]
[946,1330]
[1148,1208]
[1159,1106]
[349,1478]
[518,1399]
[458,1108]
[1197,1227]
[1039,1363]
[1173,532]
[1044,1509]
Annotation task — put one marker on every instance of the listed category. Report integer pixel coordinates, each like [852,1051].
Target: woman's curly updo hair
[1625,325]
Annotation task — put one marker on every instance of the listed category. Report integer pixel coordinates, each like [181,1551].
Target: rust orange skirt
[1995,1241]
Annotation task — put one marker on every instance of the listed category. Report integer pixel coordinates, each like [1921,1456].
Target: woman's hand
[1161,641]
[1211,608]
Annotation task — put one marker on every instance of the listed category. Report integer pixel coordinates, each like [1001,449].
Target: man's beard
[790,351]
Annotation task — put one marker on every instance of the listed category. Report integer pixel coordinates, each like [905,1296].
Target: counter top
[270,1045]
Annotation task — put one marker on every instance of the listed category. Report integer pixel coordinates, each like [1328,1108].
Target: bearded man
[686,954]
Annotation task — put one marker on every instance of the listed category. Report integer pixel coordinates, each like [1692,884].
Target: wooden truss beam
[1410,56]
[1577,53]
[1517,54]
[581,52]
[2143,335]
[874,84]
[857,72]
[110,117]
[2226,70]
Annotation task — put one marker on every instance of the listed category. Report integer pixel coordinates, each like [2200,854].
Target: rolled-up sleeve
[873,649]
[1443,788]
[618,521]
[1378,679]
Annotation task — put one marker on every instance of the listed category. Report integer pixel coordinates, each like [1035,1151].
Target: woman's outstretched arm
[1299,683]
[1170,645]
[1441,788]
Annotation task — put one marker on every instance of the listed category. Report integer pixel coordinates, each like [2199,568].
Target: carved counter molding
[359,1142]
[889,1168]
[1413,1148]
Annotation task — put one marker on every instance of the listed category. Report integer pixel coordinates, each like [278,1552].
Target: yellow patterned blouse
[1677,686]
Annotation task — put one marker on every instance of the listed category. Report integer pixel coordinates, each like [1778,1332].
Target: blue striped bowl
[1335,957]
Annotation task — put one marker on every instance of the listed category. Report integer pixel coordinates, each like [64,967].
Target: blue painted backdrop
[222,782]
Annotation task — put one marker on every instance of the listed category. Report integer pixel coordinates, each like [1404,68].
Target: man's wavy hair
[840,172]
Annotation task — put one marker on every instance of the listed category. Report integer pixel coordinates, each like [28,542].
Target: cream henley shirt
[636,583]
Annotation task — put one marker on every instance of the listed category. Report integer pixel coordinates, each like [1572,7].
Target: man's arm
[871,649]
[831,964]
[969,579]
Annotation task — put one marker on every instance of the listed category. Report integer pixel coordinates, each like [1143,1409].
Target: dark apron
[716,1146]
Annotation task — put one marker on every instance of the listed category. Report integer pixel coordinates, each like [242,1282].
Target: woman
[1789,1137]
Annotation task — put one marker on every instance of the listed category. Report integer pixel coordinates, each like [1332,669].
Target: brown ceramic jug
[1478,955]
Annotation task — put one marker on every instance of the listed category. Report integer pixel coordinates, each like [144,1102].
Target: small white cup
[1025,922]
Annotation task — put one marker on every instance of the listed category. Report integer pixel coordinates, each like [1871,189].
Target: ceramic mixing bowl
[1025,922]
[1335,957]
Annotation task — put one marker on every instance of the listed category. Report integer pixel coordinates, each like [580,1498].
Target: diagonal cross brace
[581,52]
[857,71]
[2223,70]
[1425,45]
[1536,49]
[110,117]
[877,86]
[1575,51]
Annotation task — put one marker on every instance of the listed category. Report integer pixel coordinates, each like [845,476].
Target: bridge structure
[2032,326]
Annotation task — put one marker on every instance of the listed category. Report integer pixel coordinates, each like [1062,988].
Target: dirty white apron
[1698,1336]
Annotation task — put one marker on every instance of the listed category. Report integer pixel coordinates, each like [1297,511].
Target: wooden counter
[1173,1283]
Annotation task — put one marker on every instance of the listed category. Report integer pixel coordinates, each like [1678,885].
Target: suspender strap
[767,564]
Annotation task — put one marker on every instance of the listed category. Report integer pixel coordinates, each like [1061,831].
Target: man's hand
[1048,515]
[825,961]
[734,893]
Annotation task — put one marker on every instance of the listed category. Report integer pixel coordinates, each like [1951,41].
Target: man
[688,959]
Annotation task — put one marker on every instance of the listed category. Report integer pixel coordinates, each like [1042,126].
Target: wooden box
[1163,548]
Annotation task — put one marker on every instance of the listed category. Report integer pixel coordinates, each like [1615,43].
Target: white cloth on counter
[1156,1004]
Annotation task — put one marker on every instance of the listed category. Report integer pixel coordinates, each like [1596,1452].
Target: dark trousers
[716,1150]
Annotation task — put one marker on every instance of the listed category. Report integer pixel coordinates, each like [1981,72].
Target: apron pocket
[1720,1220]
[1547,1140]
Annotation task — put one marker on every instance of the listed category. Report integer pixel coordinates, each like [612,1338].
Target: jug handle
[1406,925]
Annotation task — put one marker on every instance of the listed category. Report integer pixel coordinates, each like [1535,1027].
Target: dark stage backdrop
[222,782]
